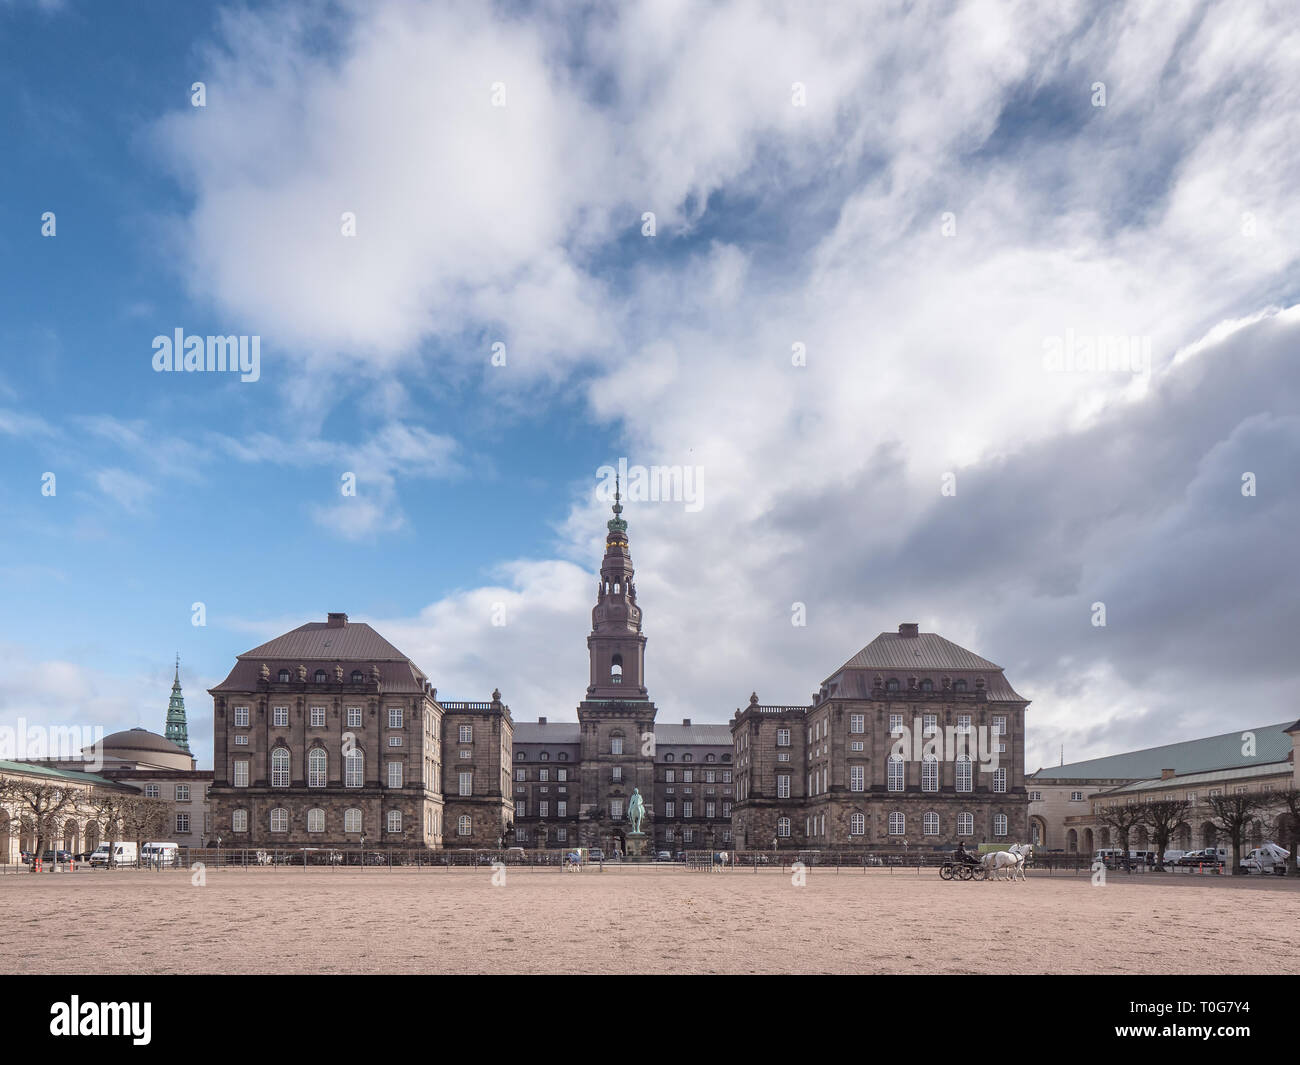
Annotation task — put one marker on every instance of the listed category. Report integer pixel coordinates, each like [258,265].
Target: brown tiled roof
[892,653]
[319,645]
[926,650]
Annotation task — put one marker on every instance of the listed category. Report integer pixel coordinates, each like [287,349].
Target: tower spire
[176,730]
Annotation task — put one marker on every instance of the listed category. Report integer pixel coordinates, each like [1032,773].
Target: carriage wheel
[981,873]
[967,872]
[945,872]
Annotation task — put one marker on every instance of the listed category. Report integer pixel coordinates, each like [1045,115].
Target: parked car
[124,854]
[595,855]
[1172,856]
[51,857]
[663,856]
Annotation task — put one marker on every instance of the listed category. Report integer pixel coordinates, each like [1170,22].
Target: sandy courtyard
[640,920]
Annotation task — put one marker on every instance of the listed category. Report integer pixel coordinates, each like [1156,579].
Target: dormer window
[959,685]
[927,685]
[891,684]
[284,676]
[357,676]
[320,676]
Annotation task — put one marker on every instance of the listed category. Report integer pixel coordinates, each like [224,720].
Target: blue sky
[1166,215]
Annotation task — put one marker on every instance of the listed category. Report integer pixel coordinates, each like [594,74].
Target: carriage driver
[962,856]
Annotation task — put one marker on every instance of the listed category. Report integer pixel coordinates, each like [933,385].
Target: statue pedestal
[636,844]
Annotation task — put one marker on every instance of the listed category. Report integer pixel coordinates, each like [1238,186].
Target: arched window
[897,823]
[857,825]
[279,768]
[616,670]
[463,825]
[545,756]
[668,758]
[999,824]
[519,756]
[927,685]
[239,821]
[317,763]
[891,684]
[711,758]
[563,757]
[930,824]
[279,820]
[688,758]
[959,685]
[352,821]
[354,768]
[929,773]
[895,772]
[320,676]
[965,824]
[315,820]
[358,677]
[783,827]
[284,676]
[1072,841]
[963,773]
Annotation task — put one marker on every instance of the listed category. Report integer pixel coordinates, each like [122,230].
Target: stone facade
[914,744]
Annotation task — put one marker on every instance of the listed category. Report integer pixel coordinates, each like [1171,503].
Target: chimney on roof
[541,721]
[336,621]
[1166,774]
[908,628]
[686,721]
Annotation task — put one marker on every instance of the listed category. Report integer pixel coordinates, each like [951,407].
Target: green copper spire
[616,523]
[177,731]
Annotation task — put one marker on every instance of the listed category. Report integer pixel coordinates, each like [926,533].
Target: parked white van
[1269,858]
[160,853]
[123,854]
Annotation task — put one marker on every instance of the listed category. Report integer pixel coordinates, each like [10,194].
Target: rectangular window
[857,778]
[963,774]
[394,820]
[783,785]
[182,793]
[241,772]
[616,773]
[858,723]
[1000,779]
[670,776]
[280,716]
[354,717]
[239,821]
[688,775]
[394,774]
[394,718]
[521,808]
[965,824]
[151,790]
[616,809]
[466,733]
[561,834]
[466,783]
[895,774]
[561,809]
[726,809]
[688,835]
[561,775]
[963,723]
[521,774]
[543,809]
[670,809]
[182,823]
[318,717]
[710,810]
[999,725]
[241,717]
[783,737]
[726,776]
[394,741]
[616,745]
[241,739]
[895,723]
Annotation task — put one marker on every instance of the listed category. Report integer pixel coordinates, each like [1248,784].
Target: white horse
[1012,860]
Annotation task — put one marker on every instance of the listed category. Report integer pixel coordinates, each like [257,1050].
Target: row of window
[316,719]
[897,822]
[354,765]
[352,823]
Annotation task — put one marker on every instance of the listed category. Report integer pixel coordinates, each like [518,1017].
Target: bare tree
[113,809]
[145,819]
[41,805]
[1233,813]
[1121,819]
[1162,817]
[1288,822]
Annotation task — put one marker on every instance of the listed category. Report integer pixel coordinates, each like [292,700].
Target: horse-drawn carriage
[989,866]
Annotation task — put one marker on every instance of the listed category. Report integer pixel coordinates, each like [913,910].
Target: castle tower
[177,730]
[616,719]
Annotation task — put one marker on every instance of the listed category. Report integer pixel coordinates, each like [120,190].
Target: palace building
[331,736]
